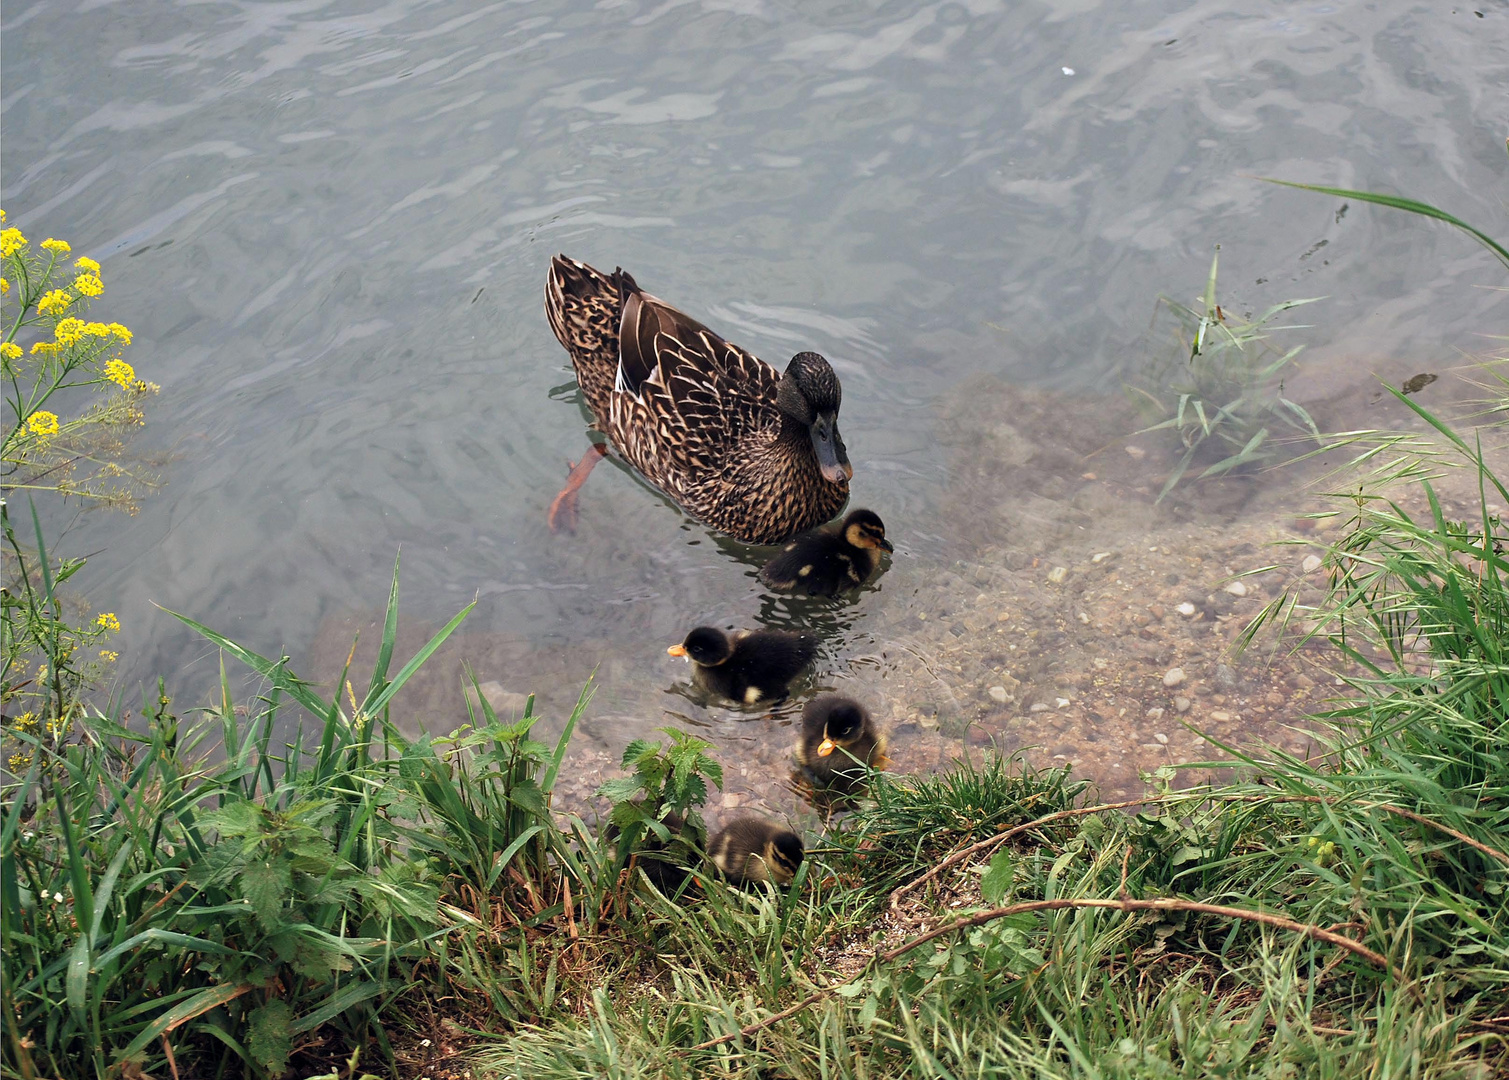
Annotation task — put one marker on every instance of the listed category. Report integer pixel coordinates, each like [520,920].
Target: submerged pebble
[1173,677]
[1236,588]
[1311,564]
[999,693]
[1186,609]
[1181,704]
[1057,575]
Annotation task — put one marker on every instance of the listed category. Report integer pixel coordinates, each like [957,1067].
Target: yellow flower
[60,246]
[69,331]
[144,387]
[120,373]
[4,286]
[43,423]
[19,762]
[108,656]
[25,722]
[121,332]
[96,329]
[87,264]
[2,216]
[89,284]
[58,726]
[10,350]
[57,300]
[44,347]
[11,241]
[109,622]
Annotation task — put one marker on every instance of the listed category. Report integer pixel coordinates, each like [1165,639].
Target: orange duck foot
[563,508]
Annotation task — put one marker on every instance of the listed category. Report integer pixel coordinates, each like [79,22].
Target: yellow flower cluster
[120,373]
[44,348]
[10,350]
[89,284]
[11,241]
[25,722]
[87,265]
[60,246]
[109,656]
[19,761]
[109,622]
[69,331]
[42,423]
[4,286]
[121,332]
[54,302]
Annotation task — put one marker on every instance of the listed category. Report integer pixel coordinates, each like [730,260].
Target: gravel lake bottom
[1073,620]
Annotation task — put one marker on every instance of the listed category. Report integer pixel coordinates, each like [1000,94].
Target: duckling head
[810,394]
[705,645]
[864,529]
[846,722]
[784,855]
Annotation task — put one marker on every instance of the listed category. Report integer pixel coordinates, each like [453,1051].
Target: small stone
[1274,699]
[1181,704]
[1057,575]
[1186,609]
[1155,713]
[1084,618]
[1004,616]
[999,693]
[1236,588]
[1173,677]
[1136,453]
[1220,715]
[1100,556]
[1162,738]
[1311,564]
[1038,706]
[1062,703]
[731,800]
[1157,611]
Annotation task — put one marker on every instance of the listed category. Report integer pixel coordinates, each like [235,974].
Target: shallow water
[328,225]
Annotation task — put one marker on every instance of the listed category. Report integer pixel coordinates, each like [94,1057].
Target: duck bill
[677,650]
[828,445]
[826,747]
[886,545]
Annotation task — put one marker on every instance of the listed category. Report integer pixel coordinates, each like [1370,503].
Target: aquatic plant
[1228,390]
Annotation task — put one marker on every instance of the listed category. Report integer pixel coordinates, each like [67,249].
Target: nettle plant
[654,809]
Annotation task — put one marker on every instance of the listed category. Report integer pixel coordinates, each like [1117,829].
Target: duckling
[825,562]
[752,666]
[839,739]
[748,849]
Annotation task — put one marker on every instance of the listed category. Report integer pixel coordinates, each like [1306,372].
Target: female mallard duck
[752,666]
[748,849]
[825,562]
[742,448]
[840,744]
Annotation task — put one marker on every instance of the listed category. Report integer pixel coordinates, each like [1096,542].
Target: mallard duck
[751,666]
[825,562]
[739,446]
[840,740]
[748,849]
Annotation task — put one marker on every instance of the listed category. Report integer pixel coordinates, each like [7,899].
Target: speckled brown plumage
[704,421]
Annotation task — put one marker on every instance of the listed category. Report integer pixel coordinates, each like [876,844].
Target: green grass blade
[1412,206]
[273,669]
[554,768]
[389,635]
[419,658]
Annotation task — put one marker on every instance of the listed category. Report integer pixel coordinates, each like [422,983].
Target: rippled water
[328,224]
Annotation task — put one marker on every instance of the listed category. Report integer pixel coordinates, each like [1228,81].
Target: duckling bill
[840,742]
[826,562]
[749,849]
[749,667]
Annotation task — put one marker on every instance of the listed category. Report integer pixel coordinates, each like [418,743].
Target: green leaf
[268,1036]
[265,885]
[619,789]
[996,883]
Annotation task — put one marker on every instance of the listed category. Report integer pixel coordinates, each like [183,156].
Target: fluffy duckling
[752,666]
[825,562]
[749,849]
[839,739]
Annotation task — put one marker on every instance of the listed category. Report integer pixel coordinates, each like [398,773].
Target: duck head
[809,393]
[864,529]
[706,645]
[846,721]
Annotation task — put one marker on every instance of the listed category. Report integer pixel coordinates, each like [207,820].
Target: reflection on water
[329,223]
